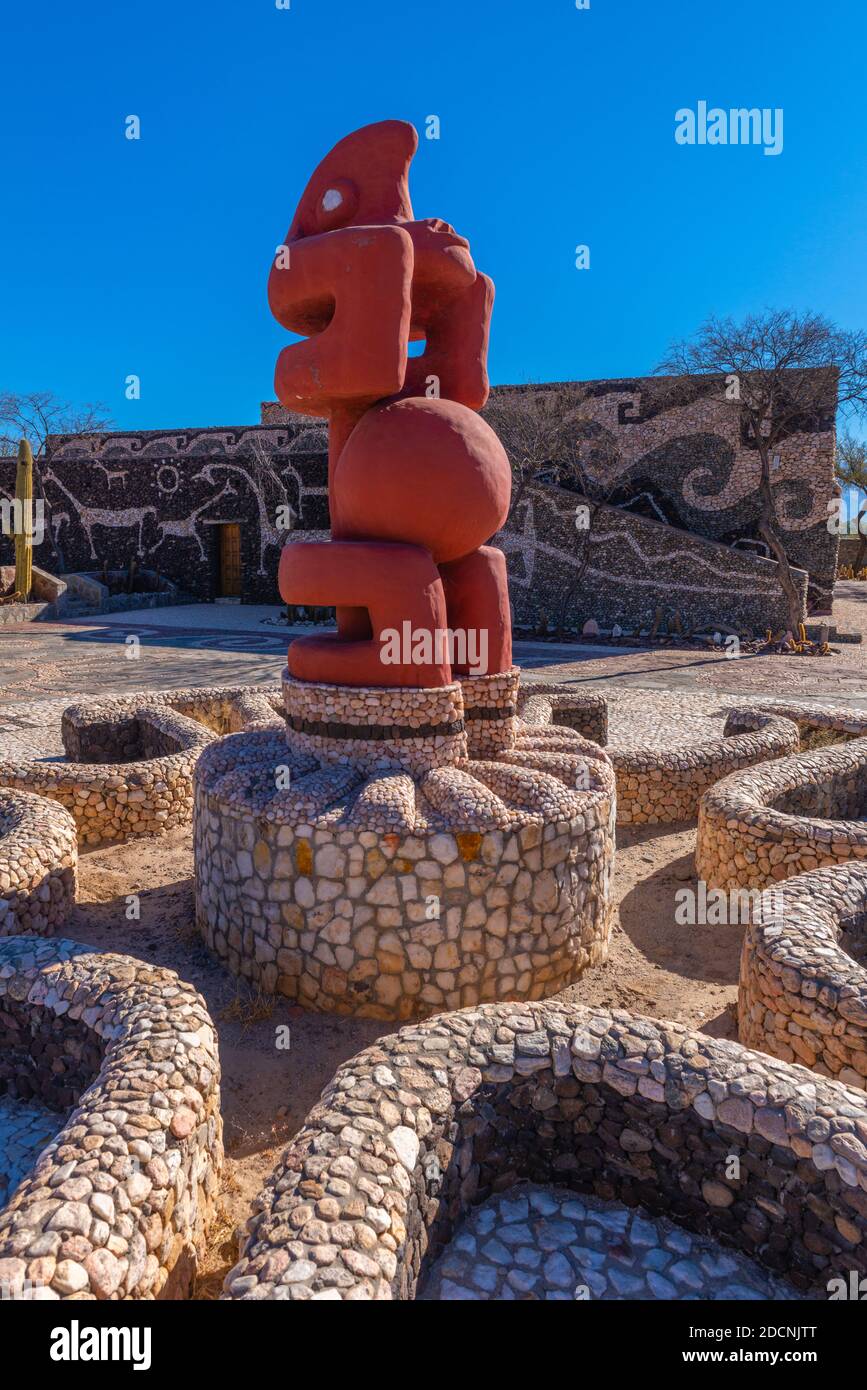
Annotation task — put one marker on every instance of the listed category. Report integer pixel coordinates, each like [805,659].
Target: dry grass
[248,1008]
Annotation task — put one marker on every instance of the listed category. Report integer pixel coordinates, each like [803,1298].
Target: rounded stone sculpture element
[372,891]
[38,864]
[118,1203]
[432,1120]
[766,824]
[802,996]
[453,497]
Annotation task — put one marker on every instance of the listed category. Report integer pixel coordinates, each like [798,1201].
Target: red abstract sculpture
[417,480]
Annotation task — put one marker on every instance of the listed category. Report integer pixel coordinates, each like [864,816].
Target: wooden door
[230,560]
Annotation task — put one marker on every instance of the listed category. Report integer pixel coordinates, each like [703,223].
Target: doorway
[230,560]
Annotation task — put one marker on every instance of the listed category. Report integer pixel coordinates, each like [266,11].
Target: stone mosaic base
[390,897]
[549,1243]
[25,1129]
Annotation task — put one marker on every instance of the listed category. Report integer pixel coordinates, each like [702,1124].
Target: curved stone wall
[389,896]
[564,706]
[129,758]
[433,1119]
[802,996]
[661,786]
[99,730]
[118,1204]
[38,864]
[664,786]
[769,823]
[142,786]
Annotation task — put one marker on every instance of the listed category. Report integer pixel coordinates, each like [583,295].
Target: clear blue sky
[151,257]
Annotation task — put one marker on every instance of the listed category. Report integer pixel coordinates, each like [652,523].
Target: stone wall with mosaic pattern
[672,455]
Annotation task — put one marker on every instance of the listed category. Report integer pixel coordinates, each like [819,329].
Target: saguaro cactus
[24,522]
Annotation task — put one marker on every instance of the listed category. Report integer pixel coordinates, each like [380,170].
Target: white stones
[405,1143]
[111,1222]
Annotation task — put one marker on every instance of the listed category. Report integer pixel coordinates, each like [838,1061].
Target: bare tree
[852,473]
[41,417]
[549,438]
[779,370]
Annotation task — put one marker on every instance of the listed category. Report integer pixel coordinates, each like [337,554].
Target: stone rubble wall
[119,1204]
[665,786]
[802,997]
[384,897]
[769,823]
[119,801]
[435,1118]
[660,786]
[38,864]
[542,704]
[129,759]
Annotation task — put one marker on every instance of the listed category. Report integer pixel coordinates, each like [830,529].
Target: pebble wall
[118,1205]
[768,823]
[661,786]
[38,864]
[129,759]
[432,1120]
[803,996]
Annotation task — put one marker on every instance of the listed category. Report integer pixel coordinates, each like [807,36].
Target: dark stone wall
[668,451]
[50,1057]
[676,450]
[625,567]
[158,497]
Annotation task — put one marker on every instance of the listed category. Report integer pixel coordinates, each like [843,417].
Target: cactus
[24,517]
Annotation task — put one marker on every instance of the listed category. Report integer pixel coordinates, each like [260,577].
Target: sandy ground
[655,967]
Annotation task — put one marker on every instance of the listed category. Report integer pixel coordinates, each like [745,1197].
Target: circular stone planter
[124,1054]
[766,824]
[663,786]
[436,1118]
[38,864]
[143,785]
[802,995]
[370,890]
[128,769]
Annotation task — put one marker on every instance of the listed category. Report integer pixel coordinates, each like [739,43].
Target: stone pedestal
[388,874]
